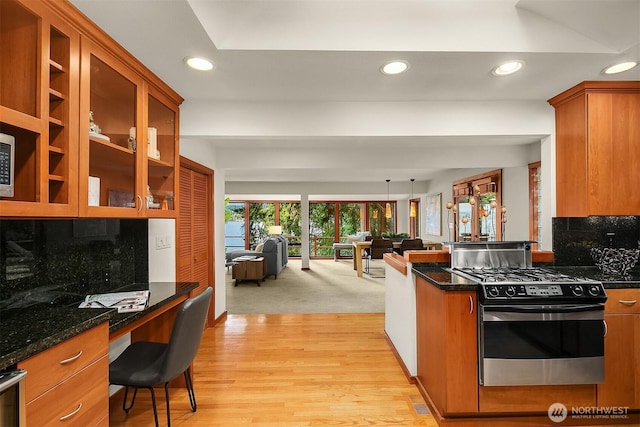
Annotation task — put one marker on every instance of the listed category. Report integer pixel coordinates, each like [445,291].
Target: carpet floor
[327,287]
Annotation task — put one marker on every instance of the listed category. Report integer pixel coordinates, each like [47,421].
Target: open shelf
[105,152]
[54,67]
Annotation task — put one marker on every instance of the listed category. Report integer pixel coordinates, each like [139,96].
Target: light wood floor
[291,370]
[297,370]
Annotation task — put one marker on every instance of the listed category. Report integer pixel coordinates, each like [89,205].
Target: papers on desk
[125,302]
[245,258]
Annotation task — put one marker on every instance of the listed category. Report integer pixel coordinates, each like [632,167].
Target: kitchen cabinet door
[621,362]
[162,158]
[195,225]
[598,149]
[111,167]
[621,350]
[447,348]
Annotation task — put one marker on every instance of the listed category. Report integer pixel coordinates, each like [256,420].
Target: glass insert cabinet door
[161,155]
[129,141]
[112,165]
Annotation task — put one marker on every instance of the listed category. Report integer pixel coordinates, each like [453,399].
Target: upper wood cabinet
[598,149]
[96,132]
[39,86]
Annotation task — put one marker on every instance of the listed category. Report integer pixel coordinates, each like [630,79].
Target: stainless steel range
[535,326]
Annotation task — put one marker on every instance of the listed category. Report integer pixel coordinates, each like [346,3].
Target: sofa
[274,250]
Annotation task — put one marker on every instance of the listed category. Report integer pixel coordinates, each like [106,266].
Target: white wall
[367,119]
[400,315]
[162,260]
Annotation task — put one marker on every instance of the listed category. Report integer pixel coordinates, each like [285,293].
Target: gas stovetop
[532,285]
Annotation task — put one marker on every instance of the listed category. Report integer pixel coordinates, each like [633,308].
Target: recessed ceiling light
[394,67]
[200,64]
[507,68]
[619,68]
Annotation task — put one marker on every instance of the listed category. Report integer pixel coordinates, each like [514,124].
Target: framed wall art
[433,214]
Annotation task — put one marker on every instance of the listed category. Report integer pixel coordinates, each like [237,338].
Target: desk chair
[407,244]
[366,252]
[378,248]
[145,364]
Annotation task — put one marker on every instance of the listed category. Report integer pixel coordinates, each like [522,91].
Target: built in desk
[28,330]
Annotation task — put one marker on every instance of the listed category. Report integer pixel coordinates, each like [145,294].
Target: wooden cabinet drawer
[623,301]
[81,400]
[46,369]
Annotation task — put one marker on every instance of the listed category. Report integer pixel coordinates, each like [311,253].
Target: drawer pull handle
[627,301]
[66,417]
[606,328]
[470,304]
[71,359]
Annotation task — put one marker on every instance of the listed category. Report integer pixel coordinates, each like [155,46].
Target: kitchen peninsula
[437,344]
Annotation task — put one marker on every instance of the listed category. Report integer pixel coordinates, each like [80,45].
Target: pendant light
[412,210]
[387,210]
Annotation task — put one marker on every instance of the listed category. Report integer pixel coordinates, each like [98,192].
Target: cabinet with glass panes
[39,85]
[128,141]
[87,130]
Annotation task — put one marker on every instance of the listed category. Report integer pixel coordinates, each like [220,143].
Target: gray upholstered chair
[145,364]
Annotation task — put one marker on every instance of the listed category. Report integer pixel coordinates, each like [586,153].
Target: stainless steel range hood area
[490,254]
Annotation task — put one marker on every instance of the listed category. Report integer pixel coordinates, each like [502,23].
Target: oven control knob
[493,291]
[511,291]
[577,290]
[594,290]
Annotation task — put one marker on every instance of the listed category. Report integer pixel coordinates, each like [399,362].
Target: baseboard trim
[220,319]
[407,374]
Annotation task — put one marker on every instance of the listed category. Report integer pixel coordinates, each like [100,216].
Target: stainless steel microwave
[7,164]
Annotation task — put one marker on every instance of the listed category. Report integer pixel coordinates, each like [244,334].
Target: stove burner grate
[517,275]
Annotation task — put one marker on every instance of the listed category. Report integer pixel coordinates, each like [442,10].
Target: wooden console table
[249,269]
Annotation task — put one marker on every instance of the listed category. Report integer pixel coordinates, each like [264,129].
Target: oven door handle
[560,308]
[543,312]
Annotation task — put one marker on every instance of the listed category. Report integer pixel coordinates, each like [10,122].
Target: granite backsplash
[574,237]
[57,262]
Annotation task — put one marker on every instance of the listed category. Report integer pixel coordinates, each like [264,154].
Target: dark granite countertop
[632,280]
[442,279]
[27,331]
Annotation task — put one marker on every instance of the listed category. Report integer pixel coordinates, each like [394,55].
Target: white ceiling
[276,52]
